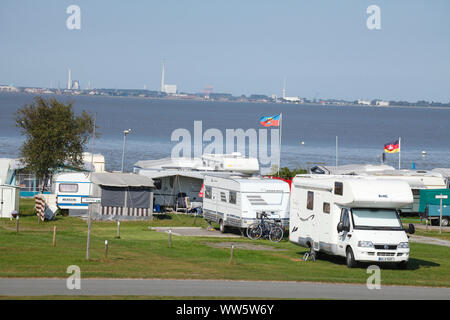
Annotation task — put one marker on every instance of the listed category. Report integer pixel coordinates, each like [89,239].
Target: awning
[121,180]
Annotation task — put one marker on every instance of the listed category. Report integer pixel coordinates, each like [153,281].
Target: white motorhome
[417,179]
[351,216]
[237,201]
[70,188]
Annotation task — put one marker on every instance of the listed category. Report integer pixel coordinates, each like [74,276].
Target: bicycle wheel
[276,234]
[254,231]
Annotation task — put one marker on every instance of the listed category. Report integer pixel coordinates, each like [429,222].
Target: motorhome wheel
[444,222]
[350,258]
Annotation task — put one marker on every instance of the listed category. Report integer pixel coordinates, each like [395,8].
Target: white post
[89,217]
[123,150]
[88,245]
[440,218]
[281,130]
[337,151]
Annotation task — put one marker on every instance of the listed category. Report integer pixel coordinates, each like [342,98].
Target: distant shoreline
[200,100]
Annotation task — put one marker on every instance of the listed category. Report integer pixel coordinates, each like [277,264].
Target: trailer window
[68,187]
[339,188]
[208,192]
[326,207]
[232,197]
[310,201]
[223,197]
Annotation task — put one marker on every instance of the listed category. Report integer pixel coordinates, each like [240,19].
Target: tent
[123,196]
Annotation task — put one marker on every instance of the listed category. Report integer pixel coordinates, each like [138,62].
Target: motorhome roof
[360,191]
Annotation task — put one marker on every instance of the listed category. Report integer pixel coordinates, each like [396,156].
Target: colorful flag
[392,147]
[200,194]
[270,121]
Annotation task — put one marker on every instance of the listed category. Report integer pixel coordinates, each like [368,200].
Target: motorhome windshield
[376,219]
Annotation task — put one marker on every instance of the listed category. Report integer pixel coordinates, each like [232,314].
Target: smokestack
[69,82]
[162,76]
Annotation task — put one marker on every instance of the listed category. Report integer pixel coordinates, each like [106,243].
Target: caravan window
[223,197]
[310,201]
[326,207]
[208,192]
[68,187]
[232,197]
[339,188]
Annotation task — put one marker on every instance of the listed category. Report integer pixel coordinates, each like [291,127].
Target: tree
[55,137]
[286,173]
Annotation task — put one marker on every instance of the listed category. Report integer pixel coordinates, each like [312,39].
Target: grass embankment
[142,253]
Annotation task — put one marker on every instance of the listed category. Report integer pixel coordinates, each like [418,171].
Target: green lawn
[142,253]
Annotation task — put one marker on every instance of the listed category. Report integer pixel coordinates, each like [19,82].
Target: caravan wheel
[444,222]
[222,226]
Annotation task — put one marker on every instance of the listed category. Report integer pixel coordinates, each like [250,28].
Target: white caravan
[70,188]
[351,216]
[238,202]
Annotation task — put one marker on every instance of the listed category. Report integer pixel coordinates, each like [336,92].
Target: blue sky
[322,47]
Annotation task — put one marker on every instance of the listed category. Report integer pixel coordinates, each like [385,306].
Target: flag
[200,194]
[392,147]
[270,121]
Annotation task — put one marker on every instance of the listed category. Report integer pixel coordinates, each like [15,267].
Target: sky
[323,48]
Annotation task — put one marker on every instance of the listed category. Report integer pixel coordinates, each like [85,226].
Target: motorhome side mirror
[340,227]
[411,229]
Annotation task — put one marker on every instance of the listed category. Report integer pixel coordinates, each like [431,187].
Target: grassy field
[142,253]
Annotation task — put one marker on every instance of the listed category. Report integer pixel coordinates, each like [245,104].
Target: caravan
[237,201]
[70,188]
[353,217]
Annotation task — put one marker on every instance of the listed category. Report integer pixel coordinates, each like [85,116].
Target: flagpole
[399,152]
[281,130]
[336,151]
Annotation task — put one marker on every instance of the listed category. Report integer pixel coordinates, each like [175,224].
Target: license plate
[386,259]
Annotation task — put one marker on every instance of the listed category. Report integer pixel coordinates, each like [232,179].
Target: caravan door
[345,235]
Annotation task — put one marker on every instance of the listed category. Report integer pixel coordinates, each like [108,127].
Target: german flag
[392,147]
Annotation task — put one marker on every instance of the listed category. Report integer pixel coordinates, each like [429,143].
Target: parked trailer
[354,217]
[430,206]
[238,202]
[71,188]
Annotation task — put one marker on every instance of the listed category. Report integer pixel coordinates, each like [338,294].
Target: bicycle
[265,229]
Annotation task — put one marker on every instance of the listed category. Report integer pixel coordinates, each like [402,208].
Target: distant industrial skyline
[322,49]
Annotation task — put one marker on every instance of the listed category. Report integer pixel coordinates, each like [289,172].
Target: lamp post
[125,132]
